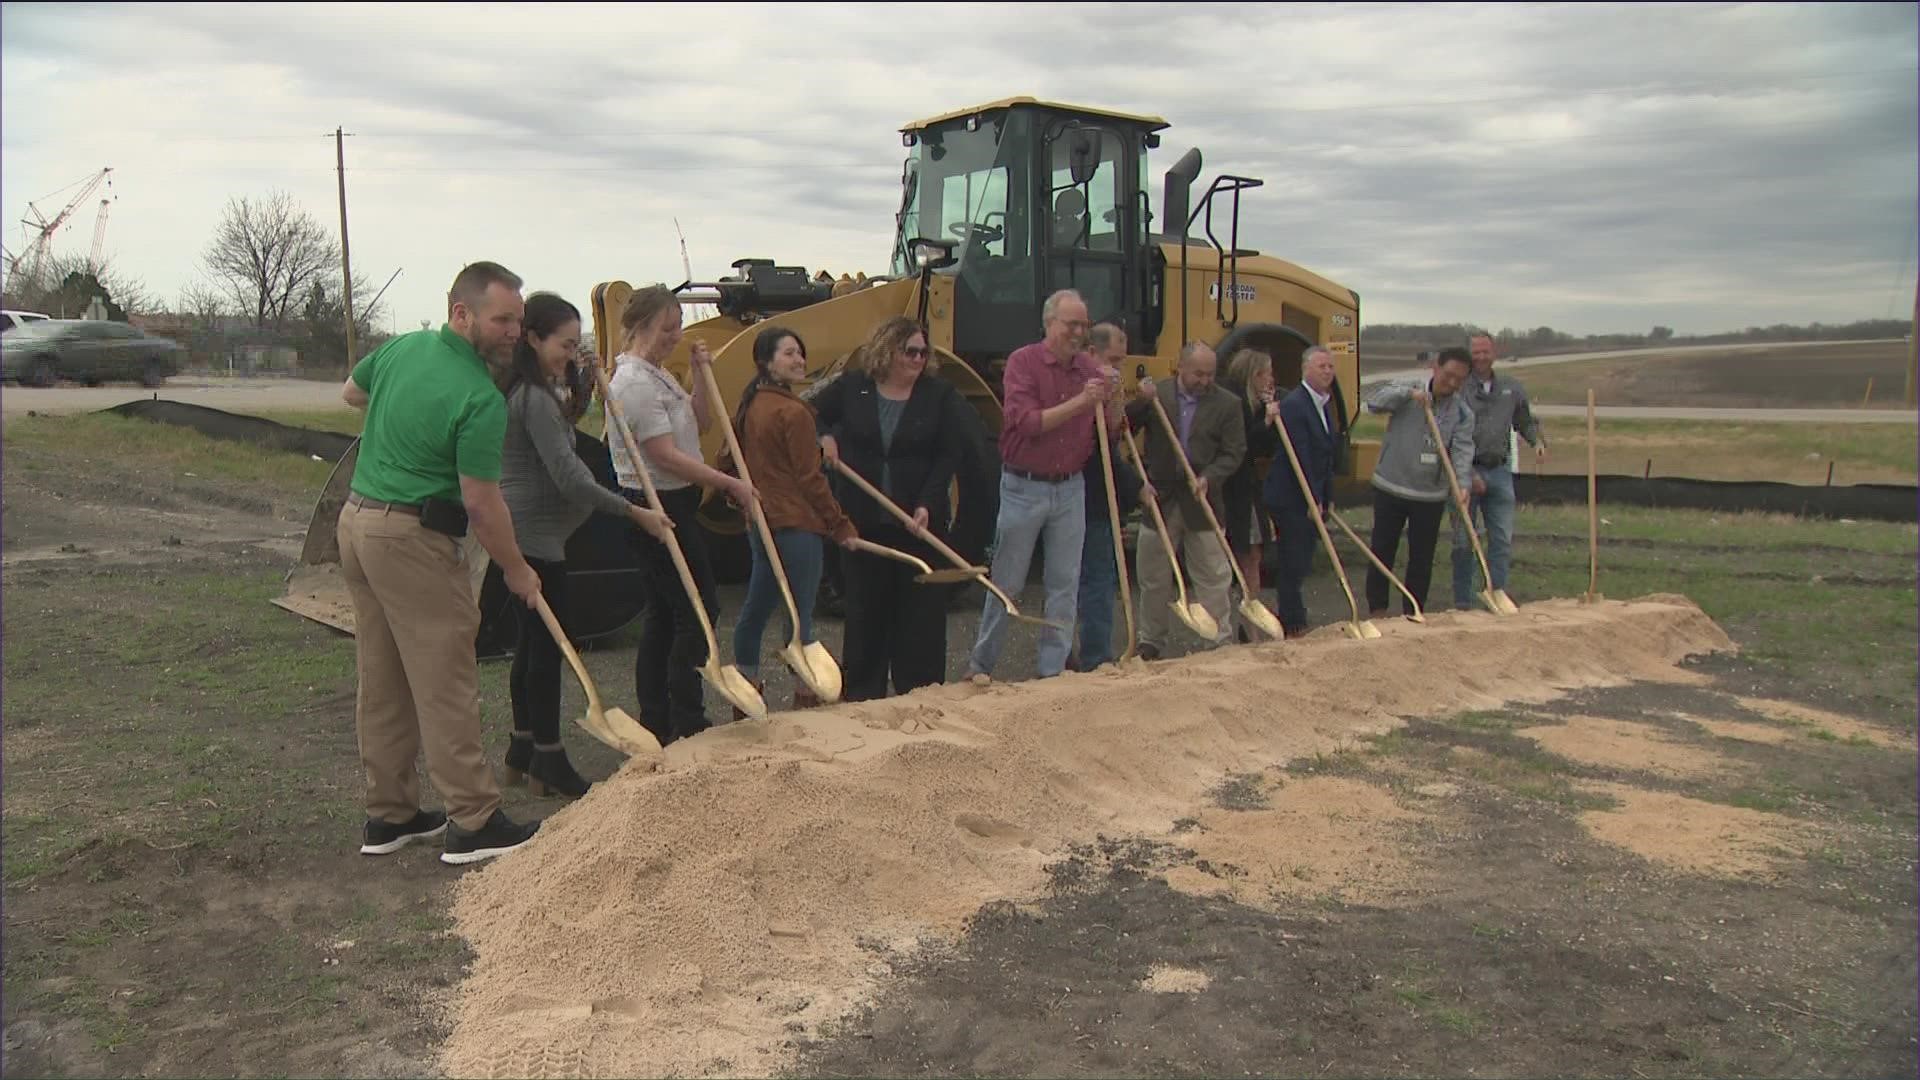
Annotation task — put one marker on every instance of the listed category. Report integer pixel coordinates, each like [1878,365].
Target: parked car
[12,319]
[91,351]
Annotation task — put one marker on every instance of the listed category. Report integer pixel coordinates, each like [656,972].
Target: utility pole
[346,261]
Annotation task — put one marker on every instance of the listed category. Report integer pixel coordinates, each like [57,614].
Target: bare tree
[68,283]
[203,303]
[266,254]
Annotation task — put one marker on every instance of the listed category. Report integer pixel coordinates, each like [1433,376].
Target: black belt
[361,501]
[1489,461]
[1045,478]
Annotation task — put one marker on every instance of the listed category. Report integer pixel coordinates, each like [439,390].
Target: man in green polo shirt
[429,467]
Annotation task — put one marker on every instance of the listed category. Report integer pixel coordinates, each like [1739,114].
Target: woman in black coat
[891,420]
[1250,378]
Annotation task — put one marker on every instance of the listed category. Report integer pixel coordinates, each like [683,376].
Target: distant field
[1781,377]
[1718,450]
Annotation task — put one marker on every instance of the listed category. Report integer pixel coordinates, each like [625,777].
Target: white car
[10,320]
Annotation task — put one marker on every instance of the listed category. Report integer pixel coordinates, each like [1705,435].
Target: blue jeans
[1099,594]
[1495,511]
[1033,512]
[802,554]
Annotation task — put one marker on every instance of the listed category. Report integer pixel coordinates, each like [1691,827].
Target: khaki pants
[415,618]
[1208,577]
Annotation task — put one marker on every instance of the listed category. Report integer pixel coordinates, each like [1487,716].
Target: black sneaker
[497,837]
[385,838]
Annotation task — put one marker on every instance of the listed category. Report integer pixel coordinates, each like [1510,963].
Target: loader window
[973,210]
[1091,220]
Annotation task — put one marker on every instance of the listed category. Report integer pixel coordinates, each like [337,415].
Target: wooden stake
[1593,509]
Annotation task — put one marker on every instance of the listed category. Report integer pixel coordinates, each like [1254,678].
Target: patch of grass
[227,671]
[1485,721]
[344,420]
[1414,997]
[1395,743]
[1722,450]
[1463,1021]
[101,444]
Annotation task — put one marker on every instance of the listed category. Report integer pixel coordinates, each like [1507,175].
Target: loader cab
[1037,197]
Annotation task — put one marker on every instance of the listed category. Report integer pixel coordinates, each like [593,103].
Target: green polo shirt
[433,416]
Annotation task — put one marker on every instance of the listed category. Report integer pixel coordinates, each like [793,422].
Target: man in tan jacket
[1213,438]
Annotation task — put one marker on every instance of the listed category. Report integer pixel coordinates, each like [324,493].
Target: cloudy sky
[1592,168]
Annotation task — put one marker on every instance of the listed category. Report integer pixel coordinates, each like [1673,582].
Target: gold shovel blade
[625,734]
[735,688]
[1256,614]
[1505,602]
[1362,630]
[815,666]
[1197,619]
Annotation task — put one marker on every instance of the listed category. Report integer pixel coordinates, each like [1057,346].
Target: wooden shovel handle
[754,511]
[1375,560]
[1193,486]
[1593,504]
[1313,507]
[653,497]
[895,554]
[925,534]
[1160,522]
[1113,519]
[566,648]
[1459,496]
[894,508]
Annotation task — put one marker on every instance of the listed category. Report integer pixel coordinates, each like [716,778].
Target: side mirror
[1083,156]
[932,254]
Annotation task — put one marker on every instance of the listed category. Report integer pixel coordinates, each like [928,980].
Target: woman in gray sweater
[551,493]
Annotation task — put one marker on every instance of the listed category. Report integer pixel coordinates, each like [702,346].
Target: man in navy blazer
[1307,414]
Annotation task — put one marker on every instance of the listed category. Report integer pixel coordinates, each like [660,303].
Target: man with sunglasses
[1050,390]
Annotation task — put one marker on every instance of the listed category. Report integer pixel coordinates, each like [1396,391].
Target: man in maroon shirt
[1050,390]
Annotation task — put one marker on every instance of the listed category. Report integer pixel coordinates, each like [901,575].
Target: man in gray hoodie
[1410,489]
[1500,408]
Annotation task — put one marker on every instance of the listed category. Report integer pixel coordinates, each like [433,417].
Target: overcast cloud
[1587,167]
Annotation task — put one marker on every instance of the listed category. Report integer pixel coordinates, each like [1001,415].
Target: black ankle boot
[552,772]
[519,757]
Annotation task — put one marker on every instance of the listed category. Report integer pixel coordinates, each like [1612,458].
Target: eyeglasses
[920,351]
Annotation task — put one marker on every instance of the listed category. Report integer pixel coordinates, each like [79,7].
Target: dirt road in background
[231,395]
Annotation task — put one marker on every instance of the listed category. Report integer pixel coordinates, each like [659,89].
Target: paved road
[1568,358]
[1744,416]
[241,395]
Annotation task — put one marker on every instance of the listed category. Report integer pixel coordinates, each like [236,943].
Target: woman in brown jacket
[783,454]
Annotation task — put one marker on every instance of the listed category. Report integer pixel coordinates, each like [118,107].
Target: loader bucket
[603,571]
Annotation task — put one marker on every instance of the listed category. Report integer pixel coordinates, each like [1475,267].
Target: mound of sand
[1619,744]
[1694,836]
[692,921]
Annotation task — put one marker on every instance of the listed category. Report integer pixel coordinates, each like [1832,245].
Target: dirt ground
[1495,893]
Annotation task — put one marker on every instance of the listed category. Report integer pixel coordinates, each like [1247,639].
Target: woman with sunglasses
[898,427]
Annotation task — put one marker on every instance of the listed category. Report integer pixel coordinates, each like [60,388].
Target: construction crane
[40,228]
[99,233]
